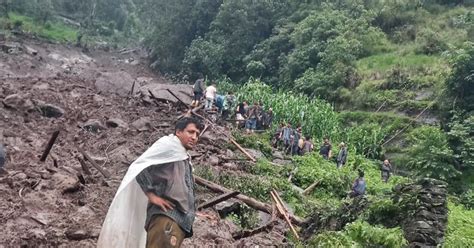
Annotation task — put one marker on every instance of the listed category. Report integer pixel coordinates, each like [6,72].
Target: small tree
[430,155]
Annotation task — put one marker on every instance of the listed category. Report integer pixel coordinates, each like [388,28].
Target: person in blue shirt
[359,185]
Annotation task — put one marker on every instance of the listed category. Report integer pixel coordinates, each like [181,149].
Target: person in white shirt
[210,96]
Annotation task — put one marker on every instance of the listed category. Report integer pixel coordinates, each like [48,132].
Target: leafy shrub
[460,222]
[260,142]
[429,154]
[382,211]
[314,168]
[360,234]
[367,235]
[430,42]
[330,239]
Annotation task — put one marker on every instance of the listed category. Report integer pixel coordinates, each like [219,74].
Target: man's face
[188,136]
[385,161]
[326,141]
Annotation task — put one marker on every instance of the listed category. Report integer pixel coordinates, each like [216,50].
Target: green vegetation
[460,232]
[54,31]
[379,63]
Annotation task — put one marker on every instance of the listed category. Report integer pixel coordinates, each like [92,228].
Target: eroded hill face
[89,99]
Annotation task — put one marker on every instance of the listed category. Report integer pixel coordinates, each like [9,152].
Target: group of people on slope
[292,141]
[251,117]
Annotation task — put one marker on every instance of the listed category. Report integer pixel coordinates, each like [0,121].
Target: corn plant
[316,117]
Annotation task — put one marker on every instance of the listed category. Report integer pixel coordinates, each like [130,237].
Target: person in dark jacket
[267,118]
[342,156]
[326,149]
[198,89]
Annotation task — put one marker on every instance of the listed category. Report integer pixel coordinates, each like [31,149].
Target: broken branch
[177,98]
[218,199]
[281,209]
[87,157]
[247,233]
[49,146]
[245,199]
[84,166]
[310,188]
[242,150]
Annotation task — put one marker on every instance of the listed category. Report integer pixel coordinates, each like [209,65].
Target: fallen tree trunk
[245,199]
[218,199]
[247,233]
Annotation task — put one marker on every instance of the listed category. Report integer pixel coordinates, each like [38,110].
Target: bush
[367,235]
[429,154]
[430,42]
[460,222]
[313,167]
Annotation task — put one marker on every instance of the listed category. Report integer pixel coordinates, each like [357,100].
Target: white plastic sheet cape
[123,226]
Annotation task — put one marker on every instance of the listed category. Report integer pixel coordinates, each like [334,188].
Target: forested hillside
[393,79]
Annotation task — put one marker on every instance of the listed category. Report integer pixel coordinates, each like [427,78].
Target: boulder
[51,111]
[65,183]
[142,124]
[255,153]
[213,160]
[278,155]
[226,207]
[115,122]
[93,125]
[117,82]
[18,102]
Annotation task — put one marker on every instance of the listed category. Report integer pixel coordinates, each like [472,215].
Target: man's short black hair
[185,121]
[361,173]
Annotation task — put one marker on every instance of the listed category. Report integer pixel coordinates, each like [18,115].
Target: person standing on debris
[229,105]
[385,170]
[342,156]
[241,113]
[286,136]
[307,146]
[267,119]
[253,116]
[295,149]
[277,136]
[211,92]
[198,89]
[326,149]
[162,179]
[359,185]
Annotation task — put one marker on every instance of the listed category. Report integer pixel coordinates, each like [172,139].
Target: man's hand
[164,204]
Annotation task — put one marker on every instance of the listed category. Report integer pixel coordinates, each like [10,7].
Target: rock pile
[425,212]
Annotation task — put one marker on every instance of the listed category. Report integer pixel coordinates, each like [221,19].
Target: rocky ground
[100,103]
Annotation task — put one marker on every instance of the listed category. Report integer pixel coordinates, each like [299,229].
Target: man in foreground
[162,179]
